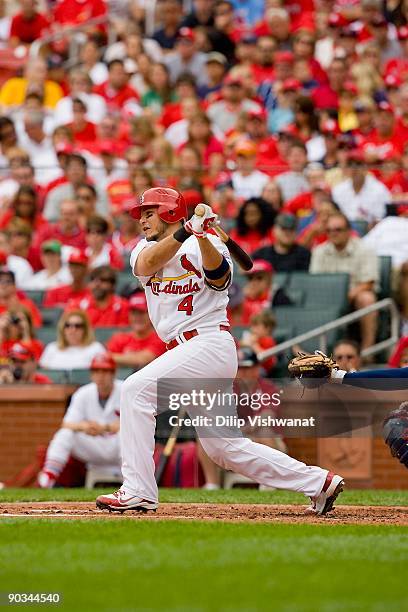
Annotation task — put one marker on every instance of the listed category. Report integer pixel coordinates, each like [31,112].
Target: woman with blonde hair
[75,346]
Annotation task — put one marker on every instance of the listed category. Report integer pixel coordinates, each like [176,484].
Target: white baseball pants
[92,450]
[208,355]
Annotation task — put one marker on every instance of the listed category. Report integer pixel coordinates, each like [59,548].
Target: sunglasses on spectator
[336,230]
[73,325]
[96,231]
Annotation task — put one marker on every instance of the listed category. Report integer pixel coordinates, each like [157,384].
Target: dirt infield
[262,513]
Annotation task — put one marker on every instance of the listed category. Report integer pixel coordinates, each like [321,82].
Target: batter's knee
[216,449]
[136,391]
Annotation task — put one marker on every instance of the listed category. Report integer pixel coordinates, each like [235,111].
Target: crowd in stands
[289,118]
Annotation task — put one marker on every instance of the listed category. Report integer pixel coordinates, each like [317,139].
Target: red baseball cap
[187,33]
[64,148]
[232,80]
[284,56]
[385,106]
[103,361]
[330,126]
[138,302]
[258,113]
[260,265]
[403,32]
[336,20]
[291,85]
[3,258]
[392,80]
[77,256]
[21,351]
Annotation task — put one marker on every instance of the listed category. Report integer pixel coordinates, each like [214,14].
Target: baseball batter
[186,273]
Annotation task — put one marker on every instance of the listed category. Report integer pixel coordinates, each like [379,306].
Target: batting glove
[199,226]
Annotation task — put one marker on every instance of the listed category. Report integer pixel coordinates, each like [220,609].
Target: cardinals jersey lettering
[178,297]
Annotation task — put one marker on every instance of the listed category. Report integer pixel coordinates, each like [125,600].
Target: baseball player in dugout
[186,270]
[89,431]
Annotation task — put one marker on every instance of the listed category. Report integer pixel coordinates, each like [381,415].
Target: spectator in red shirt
[24,206]
[116,91]
[259,291]
[262,69]
[327,95]
[74,12]
[267,154]
[28,24]
[104,308]
[10,299]
[67,230]
[78,289]
[386,139]
[254,225]
[99,250]
[17,326]
[83,131]
[141,345]
[22,367]
[259,336]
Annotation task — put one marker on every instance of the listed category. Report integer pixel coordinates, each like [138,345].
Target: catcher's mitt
[395,432]
[312,370]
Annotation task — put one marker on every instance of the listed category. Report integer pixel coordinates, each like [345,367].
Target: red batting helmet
[171,206]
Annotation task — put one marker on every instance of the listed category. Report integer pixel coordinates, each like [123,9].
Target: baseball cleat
[119,501]
[333,486]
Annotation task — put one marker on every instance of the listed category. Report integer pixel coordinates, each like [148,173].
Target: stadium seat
[302,320]
[322,290]
[36,296]
[46,334]
[103,334]
[385,263]
[51,316]
[123,372]
[57,376]
[102,477]
[360,226]
[80,376]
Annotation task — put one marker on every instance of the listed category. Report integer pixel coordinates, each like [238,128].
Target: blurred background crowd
[289,118]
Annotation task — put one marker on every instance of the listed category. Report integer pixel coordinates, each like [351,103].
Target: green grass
[121,565]
[243,496]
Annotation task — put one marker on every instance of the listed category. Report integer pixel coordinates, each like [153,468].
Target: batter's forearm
[212,259]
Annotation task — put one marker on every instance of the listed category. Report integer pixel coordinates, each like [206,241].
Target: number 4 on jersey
[186,305]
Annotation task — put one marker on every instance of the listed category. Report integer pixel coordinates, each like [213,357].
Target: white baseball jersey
[85,405]
[178,297]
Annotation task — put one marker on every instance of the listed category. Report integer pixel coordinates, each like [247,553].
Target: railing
[322,332]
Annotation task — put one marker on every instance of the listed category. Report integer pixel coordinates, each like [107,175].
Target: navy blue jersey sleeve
[392,379]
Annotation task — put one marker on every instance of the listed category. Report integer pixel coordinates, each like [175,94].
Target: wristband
[181,235]
[219,272]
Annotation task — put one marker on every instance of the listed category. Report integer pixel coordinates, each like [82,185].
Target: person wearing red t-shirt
[17,326]
[116,91]
[10,299]
[141,345]
[22,367]
[67,230]
[75,12]
[386,141]
[83,131]
[259,293]
[327,94]
[254,225]
[27,25]
[259,336]
[78,289]
[103,307]
[267,155]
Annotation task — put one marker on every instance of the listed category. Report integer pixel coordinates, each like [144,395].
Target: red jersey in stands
[383,147]
[60,296]
[252,306]
[114,98]
[54,232]
[115,313]
[126,342]
[84,136]
[253,240]
[28,30]
[29,305]
[119,191]
[325,97]
[301,205]
[78,11]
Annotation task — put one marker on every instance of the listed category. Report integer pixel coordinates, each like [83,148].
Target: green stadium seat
[124,372]
[322,290]
[46,334]
[57,376]
[124,278]
[80,376]
[360,226]
[51,316]
[36,296]
[302,320]
[385,263]
[103,334]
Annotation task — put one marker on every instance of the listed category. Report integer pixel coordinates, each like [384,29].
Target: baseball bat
[241,257]
[169,447]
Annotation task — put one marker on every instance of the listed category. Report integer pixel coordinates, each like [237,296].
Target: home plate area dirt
[262,513]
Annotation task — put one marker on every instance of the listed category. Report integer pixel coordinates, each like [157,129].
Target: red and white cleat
[323,503]
[119,501]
